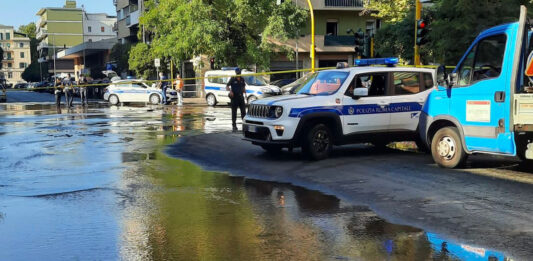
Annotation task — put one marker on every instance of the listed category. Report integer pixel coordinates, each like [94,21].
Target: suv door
[367,114]
[479,99]
[410,91]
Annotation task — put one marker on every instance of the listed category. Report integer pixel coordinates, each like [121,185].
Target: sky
[21,12]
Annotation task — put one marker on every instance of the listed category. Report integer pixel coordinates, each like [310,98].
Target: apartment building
[62,28]
[333,20]
[17,56]
[128,14]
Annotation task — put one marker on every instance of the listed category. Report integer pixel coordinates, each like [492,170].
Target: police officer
[237,90]
[164,86]
[68,90]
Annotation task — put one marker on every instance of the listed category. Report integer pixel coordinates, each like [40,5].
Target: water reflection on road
[94,184]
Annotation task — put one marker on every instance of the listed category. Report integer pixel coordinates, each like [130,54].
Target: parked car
[291,87]
[128,91]
[215,88]
[282,82]
[21,85]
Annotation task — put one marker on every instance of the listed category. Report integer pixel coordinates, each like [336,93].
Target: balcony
[41,33]
[133,18]
[344,3]
[339,40]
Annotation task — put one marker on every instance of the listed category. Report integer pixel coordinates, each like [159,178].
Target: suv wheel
[113,99]
[317,142]
[447,148]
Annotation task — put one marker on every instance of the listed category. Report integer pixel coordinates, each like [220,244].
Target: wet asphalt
[120,183]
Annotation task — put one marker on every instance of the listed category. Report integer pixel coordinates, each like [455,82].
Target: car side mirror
[359,92]
[452,80]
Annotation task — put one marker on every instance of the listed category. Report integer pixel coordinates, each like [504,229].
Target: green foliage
[235,32]
[120,54]
[141,60]
[30,31]
[390,10]
[454,25]
[32,73]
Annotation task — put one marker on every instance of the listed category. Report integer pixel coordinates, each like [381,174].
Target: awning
[87,48]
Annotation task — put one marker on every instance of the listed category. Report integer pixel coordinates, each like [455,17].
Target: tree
[234,32]
[30,31]
[390,10]
[120,54]
[141,60]
[32,73]
[454,24]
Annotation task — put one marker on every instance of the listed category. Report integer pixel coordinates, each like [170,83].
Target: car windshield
[322,83]
[254,81]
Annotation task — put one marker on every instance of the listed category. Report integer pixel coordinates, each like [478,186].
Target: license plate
[252,128]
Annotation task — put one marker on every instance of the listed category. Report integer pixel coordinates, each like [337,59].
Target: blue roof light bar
[391,61]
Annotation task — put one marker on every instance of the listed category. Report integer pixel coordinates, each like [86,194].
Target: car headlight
[278,111]
[266,90]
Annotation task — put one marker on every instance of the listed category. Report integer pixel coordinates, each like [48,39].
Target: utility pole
[312,49]
[54,50]
[83,33]
[418,15]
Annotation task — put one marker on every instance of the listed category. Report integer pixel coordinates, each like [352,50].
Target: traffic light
[422,32]
[367,48]
[359,42]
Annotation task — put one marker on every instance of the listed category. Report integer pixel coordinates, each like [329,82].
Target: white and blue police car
[215,86]
[133,91]
[343,106]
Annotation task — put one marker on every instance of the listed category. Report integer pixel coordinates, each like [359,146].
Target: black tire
[272,149]
[317,142]
[113,99]
[422,146]
[380,145]
[447,148]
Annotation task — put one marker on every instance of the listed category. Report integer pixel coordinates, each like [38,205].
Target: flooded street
[96,184]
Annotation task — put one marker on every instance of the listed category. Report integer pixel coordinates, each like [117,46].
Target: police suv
[216,80]
[343,106]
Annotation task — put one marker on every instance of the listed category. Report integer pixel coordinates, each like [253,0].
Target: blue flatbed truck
[486,104]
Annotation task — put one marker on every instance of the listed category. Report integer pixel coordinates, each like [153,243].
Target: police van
[215,86]
[343,106]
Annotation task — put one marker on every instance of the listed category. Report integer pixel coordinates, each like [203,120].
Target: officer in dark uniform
[237,90]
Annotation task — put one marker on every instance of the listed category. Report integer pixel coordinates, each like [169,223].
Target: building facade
[60,29]
[333,20]
[17,56]
[128,14]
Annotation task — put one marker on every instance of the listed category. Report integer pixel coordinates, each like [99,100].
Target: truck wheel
[211,99]
[447,148]
[271,149]
[317,142]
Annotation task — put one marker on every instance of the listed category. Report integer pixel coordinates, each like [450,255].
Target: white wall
[96,22]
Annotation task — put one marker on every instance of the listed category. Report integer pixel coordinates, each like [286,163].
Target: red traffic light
[422,24]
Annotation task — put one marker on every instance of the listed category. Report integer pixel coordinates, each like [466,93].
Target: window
[9,65]
[21,45]
[428,81]
[484,61]
[1,36]
[9,75]
[90,29]
[323,83]
[8,36]
[406,83]
[376,83]
[22,65]
[90,40]
[331,27]
[8,45]
[102,29]
[9,56]
[21,54]
[219,79]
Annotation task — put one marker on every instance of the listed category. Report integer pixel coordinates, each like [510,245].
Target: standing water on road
[94,184]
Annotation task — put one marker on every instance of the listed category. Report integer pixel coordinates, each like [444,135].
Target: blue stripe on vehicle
[215,88]
[358,109]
